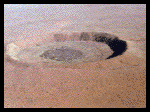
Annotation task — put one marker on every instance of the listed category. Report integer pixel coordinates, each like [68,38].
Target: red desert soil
[117,82]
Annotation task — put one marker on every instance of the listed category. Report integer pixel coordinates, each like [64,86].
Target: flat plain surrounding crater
[108,73]
[67,67]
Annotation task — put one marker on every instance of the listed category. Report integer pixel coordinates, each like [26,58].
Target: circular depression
[74,47]
[65,52]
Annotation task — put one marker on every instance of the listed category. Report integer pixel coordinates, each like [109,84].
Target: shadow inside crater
[117,45]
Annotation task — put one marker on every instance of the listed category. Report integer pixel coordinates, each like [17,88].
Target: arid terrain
[118,82]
